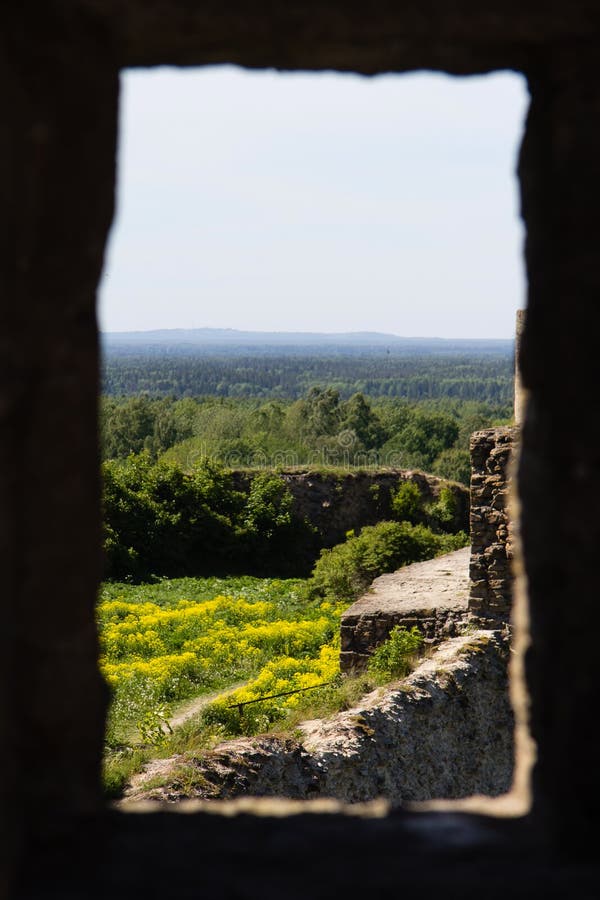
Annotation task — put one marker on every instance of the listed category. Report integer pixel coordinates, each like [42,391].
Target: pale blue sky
[317,202]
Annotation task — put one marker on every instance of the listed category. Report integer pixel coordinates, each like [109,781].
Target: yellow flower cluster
[288,674]
[279,637]
[160,670]
[254,706]
[144,629]
[154,655]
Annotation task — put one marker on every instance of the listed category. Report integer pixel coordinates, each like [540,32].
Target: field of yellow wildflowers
[166,642]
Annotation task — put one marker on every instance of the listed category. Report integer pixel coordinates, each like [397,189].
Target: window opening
[343,211]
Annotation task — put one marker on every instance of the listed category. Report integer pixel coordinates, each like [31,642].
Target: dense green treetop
[319,429]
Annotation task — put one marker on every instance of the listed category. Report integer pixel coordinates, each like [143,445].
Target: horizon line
[235,331]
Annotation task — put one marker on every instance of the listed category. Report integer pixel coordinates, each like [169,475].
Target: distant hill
[229,341]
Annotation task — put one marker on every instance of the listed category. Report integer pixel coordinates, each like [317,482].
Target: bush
[160,520]
[395,658]
[442,513]
[407,503]
[408,506]
[343,572]
[273,540]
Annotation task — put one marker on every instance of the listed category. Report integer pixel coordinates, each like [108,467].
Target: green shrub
[343,572]
[408,506]
[407,503]
[269,505]
[272,539]
[160,520]
[442,513]
[395,658]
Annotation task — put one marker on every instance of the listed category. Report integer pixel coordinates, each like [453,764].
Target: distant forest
[366,401]
[485,378]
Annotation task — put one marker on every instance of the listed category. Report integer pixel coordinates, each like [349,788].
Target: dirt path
[161,766]
[189,709]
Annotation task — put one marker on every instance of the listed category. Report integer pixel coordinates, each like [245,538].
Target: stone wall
[430,595]
[361,635]
[337,502]
[490,572]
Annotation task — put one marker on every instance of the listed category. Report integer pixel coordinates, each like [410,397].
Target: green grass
[120,765]
[288,594]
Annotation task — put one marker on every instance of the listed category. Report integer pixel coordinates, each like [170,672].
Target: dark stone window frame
[59,70]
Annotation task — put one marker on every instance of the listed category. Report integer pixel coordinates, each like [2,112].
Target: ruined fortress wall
[490,572]
[362,634]
[338,502]
[489,585]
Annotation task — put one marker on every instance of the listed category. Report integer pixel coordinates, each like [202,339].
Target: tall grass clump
[396,657]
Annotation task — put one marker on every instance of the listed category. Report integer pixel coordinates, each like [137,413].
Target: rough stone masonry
[446,731]
[492,537]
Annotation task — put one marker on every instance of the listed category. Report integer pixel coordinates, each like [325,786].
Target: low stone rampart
[433,595]
[336,502]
